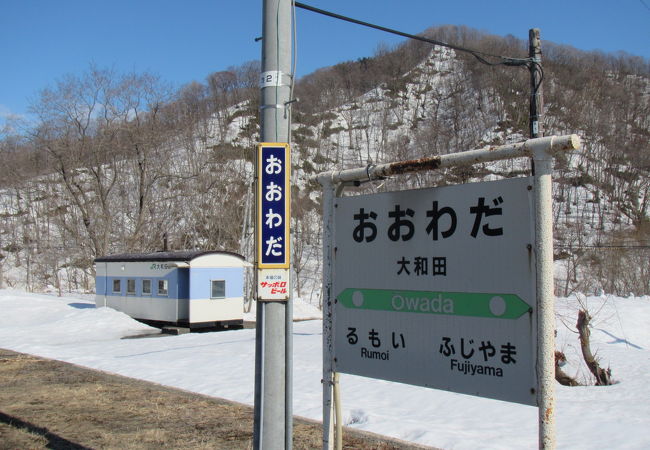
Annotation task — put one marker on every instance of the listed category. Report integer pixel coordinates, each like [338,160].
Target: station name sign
[436,287]
[273,214]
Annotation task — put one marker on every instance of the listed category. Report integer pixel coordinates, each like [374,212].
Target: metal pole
[338,434]
[271,358]
[328,344]
[288,390]
[553,144]
[542,171]
[259,370]
[545,295]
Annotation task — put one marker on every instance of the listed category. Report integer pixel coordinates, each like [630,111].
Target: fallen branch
[603,377]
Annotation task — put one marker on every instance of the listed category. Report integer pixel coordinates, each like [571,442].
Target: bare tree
[91,126]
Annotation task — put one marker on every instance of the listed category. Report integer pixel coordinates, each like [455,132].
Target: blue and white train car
[188,288]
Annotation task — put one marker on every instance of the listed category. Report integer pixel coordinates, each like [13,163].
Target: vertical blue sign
[273,215]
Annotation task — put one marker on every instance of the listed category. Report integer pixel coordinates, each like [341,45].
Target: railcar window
[146,287]
[162,287]
[130,286]
[218,289]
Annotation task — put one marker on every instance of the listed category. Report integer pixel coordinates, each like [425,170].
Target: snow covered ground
[221,364]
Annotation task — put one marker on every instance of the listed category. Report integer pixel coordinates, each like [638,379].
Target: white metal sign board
[273,284]
[436,287]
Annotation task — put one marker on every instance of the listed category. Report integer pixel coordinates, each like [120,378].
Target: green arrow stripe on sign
[498,306]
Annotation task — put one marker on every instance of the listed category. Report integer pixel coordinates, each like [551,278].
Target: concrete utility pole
[273,412]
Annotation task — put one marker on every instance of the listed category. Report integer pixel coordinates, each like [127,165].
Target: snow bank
[301,311]
[221,364]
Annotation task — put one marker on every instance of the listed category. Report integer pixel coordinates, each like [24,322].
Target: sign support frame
[542,151]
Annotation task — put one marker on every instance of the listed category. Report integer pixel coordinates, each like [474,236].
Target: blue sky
[181,41]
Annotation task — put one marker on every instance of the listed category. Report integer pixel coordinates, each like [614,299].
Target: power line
[645,4]
[531,63]
[480,56]
[605,247]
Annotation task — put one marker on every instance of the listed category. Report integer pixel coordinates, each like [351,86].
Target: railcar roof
[182,255]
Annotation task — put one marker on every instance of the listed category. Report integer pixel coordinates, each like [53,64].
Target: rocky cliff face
[410,102]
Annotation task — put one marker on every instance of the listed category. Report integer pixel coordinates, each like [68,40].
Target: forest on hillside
[124,162]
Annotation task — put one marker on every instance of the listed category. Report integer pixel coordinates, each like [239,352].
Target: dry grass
[12,437]
[50,404]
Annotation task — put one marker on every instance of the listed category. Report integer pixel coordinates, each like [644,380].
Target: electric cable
[607,247]
[531,63]
[277,62]
[480,56]
[534,65]
[293,66]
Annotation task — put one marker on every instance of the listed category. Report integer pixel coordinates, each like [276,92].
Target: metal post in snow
[328,344]
[338,433]
[258,398]
[543,160]
[288,383]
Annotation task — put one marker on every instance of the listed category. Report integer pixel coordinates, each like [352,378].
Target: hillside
[139,164]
